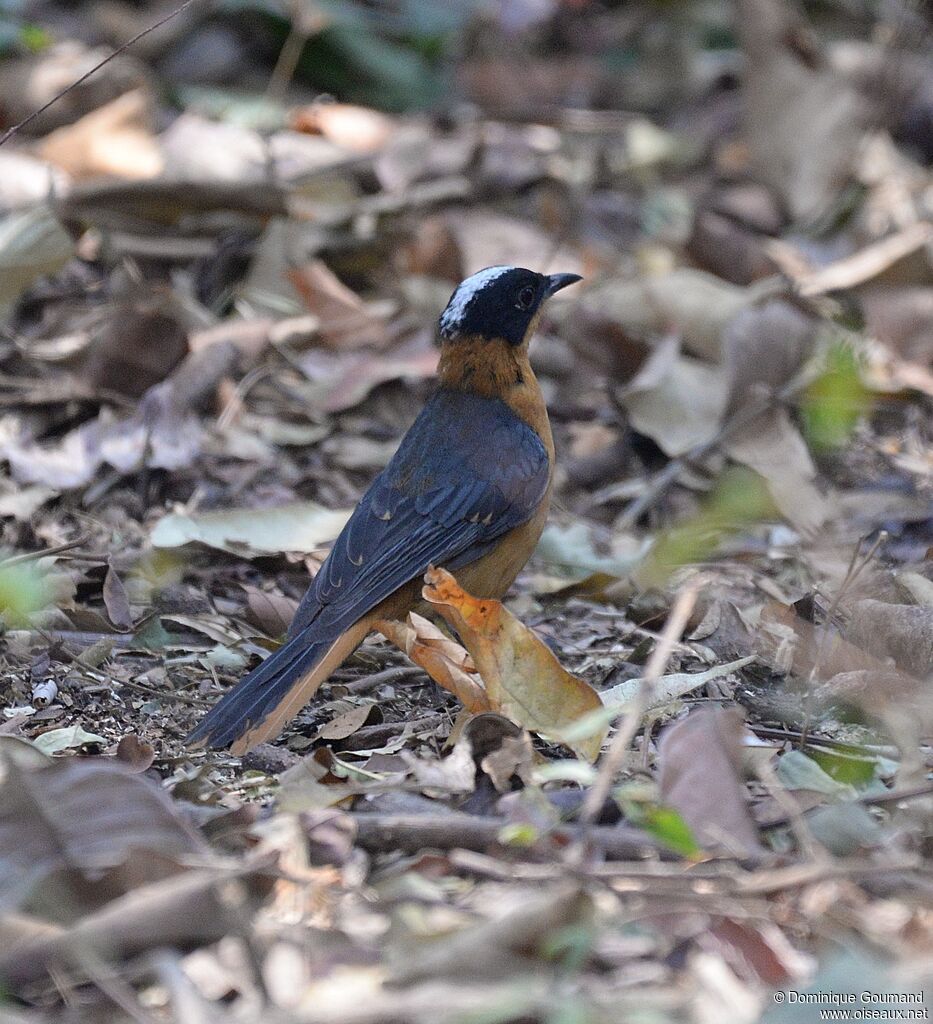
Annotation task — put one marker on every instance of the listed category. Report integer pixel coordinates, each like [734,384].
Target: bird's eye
[525,297]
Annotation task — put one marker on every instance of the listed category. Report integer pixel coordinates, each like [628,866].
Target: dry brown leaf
[700,759]
[348,723]
[135,753]
[116,600]
[675,400]
[345,320]
[360,377]
[795,645]
[522,677]
[774,448]
[803,121]
[84,815]
[358,129]
[444,660]
[113,141]
[903,632]
[270,611]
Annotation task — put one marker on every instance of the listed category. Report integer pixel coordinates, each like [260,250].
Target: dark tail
[263,702]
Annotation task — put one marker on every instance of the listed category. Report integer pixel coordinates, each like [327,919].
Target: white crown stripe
[466,292]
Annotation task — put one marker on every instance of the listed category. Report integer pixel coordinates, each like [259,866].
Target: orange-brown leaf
[445,661]
[523,679]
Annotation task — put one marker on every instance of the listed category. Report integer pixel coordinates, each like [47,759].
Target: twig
[890,796]
[388,676]
[33,556]
[10,132]
[371,736]
[867,263]
[676,622]
[170,695]
[389,833]
[809,846]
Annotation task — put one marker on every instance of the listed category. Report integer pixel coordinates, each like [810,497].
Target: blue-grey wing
[468,471]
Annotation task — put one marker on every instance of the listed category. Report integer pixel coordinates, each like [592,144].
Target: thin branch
[612,762]
[10,132]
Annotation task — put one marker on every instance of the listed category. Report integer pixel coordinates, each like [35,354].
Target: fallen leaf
[902,632]
[358,129]
[117,600]
[797,771]
[803,121]
[251,533]
[135,753]
[670,687]
[81,814]
[675,400]
[445,661]
[691,303]
[774,448]
[700,764]
[348,723]
[271,611]
[114,141]
[345,320]
[73,736]
[360,376]
[32,243]
[523,679]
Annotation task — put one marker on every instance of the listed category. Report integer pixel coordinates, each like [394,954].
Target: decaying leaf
[80,814]
[250,533]
[522,677]
[700,762]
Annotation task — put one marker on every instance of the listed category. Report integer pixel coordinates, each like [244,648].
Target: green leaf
[797,771]
[669,828]
[56,740]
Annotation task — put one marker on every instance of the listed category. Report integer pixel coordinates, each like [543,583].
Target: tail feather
[266,699]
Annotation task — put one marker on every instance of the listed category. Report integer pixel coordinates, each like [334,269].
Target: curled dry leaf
[113,141]
[700,760]
[444,660]
[345,320]
[523,679]
[135,753]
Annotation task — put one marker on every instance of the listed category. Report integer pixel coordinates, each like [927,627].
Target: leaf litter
[218,299]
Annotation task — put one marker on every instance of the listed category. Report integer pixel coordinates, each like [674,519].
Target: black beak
[557,281]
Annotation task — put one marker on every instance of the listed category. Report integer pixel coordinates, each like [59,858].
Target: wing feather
[468,471]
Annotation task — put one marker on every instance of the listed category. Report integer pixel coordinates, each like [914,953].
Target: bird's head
[499,303]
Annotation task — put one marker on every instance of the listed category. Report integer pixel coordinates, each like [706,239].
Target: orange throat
[496,369]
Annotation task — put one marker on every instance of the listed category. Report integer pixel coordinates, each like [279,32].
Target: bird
[468,490]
